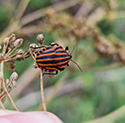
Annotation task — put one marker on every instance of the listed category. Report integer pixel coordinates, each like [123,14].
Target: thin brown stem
[42,92]
[4,95]
[4,86]
[55,89]
[0,85]
[9,53]
[2,105]
[32,55]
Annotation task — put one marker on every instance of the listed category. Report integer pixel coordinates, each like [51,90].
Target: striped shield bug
[53,58]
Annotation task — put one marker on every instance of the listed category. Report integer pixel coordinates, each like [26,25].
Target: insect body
[53,58]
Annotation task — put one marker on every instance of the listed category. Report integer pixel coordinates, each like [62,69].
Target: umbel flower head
[10,45]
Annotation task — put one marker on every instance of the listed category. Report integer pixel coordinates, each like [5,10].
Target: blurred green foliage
[98,97]
[38,4]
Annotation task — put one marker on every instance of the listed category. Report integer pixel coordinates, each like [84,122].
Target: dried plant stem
[5,48]
[0,85]
[9,53]
[35,15]
[21,9]
[41,12]
[4,86]
[32,56]
[2,105]
[5,94]
[42,92]
[55,89]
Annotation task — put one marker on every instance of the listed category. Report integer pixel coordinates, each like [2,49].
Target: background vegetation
[97,27]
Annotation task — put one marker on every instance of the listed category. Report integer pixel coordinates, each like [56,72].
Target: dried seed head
[26,54]
[19,57]
[35,66]
[12,38]
[11,62]
[12,67]
[19,51]
[6,41]
[32,47]
[40,38]
[10,86]
[18,42]
[7,81]
[14,84]
[1,75]
[13,76]
[11,45]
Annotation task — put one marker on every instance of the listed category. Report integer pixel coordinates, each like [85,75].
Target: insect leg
[67,48]
[67,64]
[50,73]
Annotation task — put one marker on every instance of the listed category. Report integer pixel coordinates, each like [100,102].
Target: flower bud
[19,51]
[12,38]
[19,57]
[40,38]
[11,45]
[14,84]
[6,41]
[32,47]
[7,81]
[12,67]
[13,76]
[18,42]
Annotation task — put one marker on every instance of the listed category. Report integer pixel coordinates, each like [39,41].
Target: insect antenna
[73,48]
[77,65]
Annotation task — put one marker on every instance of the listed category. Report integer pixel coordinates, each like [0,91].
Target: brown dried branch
[9,97]
[10,45]
[2,104]
[42,91]
[55,89]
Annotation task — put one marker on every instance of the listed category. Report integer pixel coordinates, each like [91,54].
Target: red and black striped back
[53,58]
